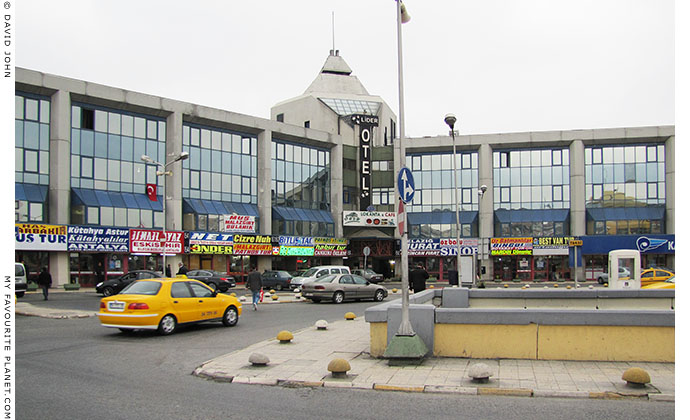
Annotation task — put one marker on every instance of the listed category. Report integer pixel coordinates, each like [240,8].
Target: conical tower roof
[335,78]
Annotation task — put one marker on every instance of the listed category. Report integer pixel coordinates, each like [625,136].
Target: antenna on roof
[333,31]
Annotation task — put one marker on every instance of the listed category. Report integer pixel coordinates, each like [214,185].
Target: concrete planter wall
[548,324]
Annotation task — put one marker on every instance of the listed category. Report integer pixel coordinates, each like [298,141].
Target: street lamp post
[162,172]
[451,120]
[406,344]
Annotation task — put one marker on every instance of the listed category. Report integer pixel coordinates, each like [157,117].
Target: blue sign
[405,185]
[650,243]
[97,239]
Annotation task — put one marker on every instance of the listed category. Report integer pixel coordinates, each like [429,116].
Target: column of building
[263,173]
[172,193]
[59,184]
[578,212]
[670,163]
[337,192]
[486,210]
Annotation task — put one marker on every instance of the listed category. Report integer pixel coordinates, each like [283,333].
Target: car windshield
[142,288]
[309,272]
[325,279]
[369,271]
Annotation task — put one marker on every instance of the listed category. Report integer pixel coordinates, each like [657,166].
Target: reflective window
[106,149]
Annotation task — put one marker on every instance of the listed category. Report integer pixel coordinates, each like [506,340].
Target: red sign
[401,217]
[152,241]
[239,223]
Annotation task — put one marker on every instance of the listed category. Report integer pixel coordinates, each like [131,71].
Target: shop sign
[511,246]
[366,128]
[151,241]
[97,239]
[39,237]
[210,243]
[330,250]
[289,251]
[441,247]
[647,244]
[238,223]
[369,218]
[252,245]
[552,245]
[330,241]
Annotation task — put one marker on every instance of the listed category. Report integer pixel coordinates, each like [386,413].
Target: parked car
[114,286]
[669,283]
[340,287]
[163,304]
[214,279]
[276,279]
[369,274]
[622,274]
[20,279]
[655,275]
[317,272]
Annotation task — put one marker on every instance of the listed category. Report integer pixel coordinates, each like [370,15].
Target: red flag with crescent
[151,192]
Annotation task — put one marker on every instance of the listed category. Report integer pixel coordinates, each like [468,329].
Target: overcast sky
[500,66]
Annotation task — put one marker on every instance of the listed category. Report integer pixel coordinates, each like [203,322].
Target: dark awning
[307,215]
[101,198]
[192,205]
[626,213]
[528,215]
[32,193]
[441,217]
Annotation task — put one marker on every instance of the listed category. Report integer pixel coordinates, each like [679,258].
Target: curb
[510,392]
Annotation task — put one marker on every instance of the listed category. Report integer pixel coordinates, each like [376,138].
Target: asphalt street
[74,368]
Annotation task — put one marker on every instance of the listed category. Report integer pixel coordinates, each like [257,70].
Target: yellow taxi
[655,275]
[163,304]
[666,284]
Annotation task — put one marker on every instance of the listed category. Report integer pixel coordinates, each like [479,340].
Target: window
[306,124]
[280,117]
[87,119]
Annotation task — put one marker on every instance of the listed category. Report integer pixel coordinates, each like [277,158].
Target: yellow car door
[183,302]
[207,306]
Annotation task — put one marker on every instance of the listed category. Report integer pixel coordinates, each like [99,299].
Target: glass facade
[535,179]
[31,152]
[625,176]
[434,191]
[222,166]
[301,178]
[106,149]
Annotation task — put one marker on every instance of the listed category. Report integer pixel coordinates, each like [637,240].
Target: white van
[316,272]
[19,279]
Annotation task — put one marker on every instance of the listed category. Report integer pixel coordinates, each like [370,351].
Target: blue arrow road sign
[405,185]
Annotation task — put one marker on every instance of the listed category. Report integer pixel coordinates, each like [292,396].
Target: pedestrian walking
[45,281]
[168,271]
[255,284]
[418,278]
[182,269]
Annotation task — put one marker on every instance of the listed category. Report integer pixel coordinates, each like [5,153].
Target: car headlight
[99,284]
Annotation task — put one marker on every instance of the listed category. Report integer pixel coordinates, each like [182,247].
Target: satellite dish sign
[405,185]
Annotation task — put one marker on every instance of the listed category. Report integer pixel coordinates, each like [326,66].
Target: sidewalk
[304,361]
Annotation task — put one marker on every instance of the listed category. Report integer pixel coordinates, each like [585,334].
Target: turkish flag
[151,192]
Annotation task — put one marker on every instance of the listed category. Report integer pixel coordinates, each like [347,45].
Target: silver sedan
[338,287]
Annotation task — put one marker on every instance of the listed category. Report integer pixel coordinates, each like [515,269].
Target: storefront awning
[192,205]
[526,215]
[32,193]
[626,213]
[441,217]
[101,198]
[307,215]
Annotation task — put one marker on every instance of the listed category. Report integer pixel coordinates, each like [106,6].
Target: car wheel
[279,287]
[338,297]
[600,280]
[19,294]
[108,291]
[378,296]
[213,286]
[167,325]
[230,317]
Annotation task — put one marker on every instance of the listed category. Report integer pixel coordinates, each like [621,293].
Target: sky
[498,65]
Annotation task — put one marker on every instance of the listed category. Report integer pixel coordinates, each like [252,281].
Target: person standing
[255,284]
[168,271]
[100,274]
[45,281]
[418,278]
[183,269]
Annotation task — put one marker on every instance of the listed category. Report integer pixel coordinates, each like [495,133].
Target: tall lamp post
[451,120]
[163,172]
[406,344]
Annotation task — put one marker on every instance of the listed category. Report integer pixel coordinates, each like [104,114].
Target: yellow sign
[575,242]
